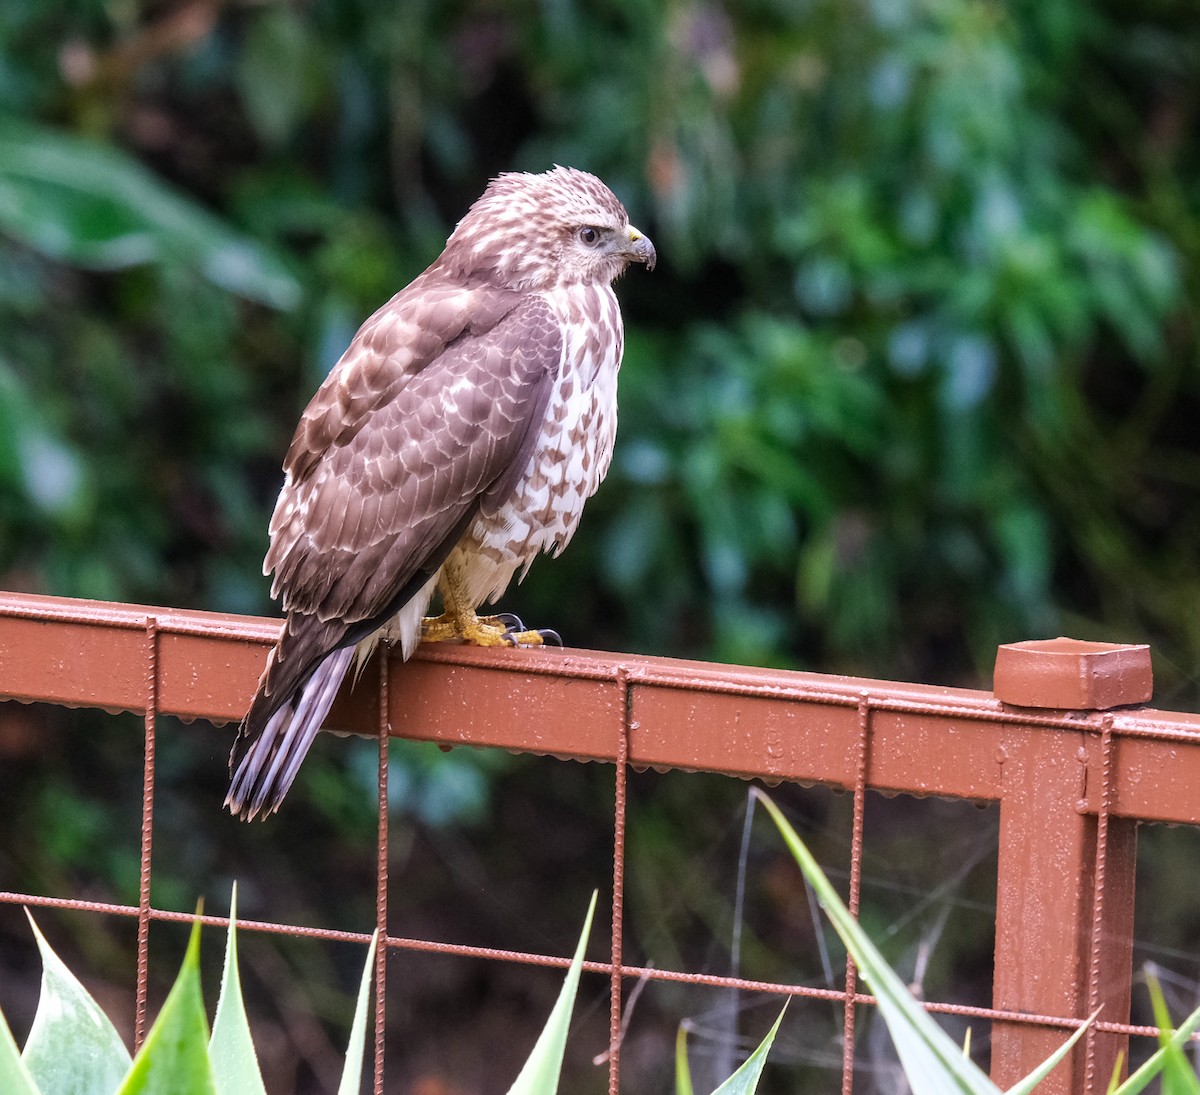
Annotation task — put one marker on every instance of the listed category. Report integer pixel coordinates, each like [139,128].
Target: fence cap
[1073,675]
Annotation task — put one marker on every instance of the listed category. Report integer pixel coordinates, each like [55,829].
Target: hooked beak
[640,249]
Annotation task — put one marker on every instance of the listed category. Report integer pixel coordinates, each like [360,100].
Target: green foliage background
[916,374]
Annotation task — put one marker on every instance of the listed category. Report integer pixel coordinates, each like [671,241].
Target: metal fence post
[1064,904]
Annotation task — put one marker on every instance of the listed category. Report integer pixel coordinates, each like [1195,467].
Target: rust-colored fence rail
[1071,784]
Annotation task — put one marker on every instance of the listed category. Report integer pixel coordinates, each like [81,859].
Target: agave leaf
[683,1072]
[174,1059]
[14,1076]
[91,205]
[541,1071]
[352,1070]
[1115,1079]
[745,1080]
[72,1048]
[1157,1064]
[932,1062]
[231,1048]
[1177,1075]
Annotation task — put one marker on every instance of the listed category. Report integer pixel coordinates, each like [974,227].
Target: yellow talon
[459,622]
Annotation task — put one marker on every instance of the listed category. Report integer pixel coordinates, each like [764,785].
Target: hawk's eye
[589,235]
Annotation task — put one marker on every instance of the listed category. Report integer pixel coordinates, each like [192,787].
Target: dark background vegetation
[917,374]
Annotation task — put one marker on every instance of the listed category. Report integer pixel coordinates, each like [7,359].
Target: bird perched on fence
[459,435]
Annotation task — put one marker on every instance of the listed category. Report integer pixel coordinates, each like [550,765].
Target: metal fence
[1062,746]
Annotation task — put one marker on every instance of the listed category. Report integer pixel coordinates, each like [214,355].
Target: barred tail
[267,756]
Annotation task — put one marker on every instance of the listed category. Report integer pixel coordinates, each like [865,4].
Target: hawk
[457,437]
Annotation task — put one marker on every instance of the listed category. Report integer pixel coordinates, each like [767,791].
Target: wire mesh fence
[1072,763]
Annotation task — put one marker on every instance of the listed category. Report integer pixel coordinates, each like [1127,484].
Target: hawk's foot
[504,629]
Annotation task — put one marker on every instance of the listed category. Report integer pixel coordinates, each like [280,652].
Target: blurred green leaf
[352,1068]
[231,1052]
[683,1072]
[279,71]
[1178,1076]
[539,1075]
[13,1072]
[745,1080]
[933,1064]
[72,1048]
[174,1058]
[1169,1061]
[82,202]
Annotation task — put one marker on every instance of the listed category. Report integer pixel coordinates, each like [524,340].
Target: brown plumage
[457,437]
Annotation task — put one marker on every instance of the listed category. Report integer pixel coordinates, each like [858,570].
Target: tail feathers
[267,757]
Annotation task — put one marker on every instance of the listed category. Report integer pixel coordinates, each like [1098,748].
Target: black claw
[511,619]
[550,636]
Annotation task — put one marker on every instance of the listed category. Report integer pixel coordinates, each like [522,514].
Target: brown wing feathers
[377,503]
[390,462]
[429,421]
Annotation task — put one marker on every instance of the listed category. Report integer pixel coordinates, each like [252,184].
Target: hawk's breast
[572,453]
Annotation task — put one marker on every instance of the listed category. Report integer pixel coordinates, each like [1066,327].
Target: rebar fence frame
[1071,784]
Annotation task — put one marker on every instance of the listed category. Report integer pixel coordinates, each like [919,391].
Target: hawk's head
[562,227]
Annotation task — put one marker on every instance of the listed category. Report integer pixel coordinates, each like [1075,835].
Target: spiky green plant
[73,1049]
[932,1063]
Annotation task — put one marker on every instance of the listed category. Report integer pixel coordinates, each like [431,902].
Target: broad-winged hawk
[458,436]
